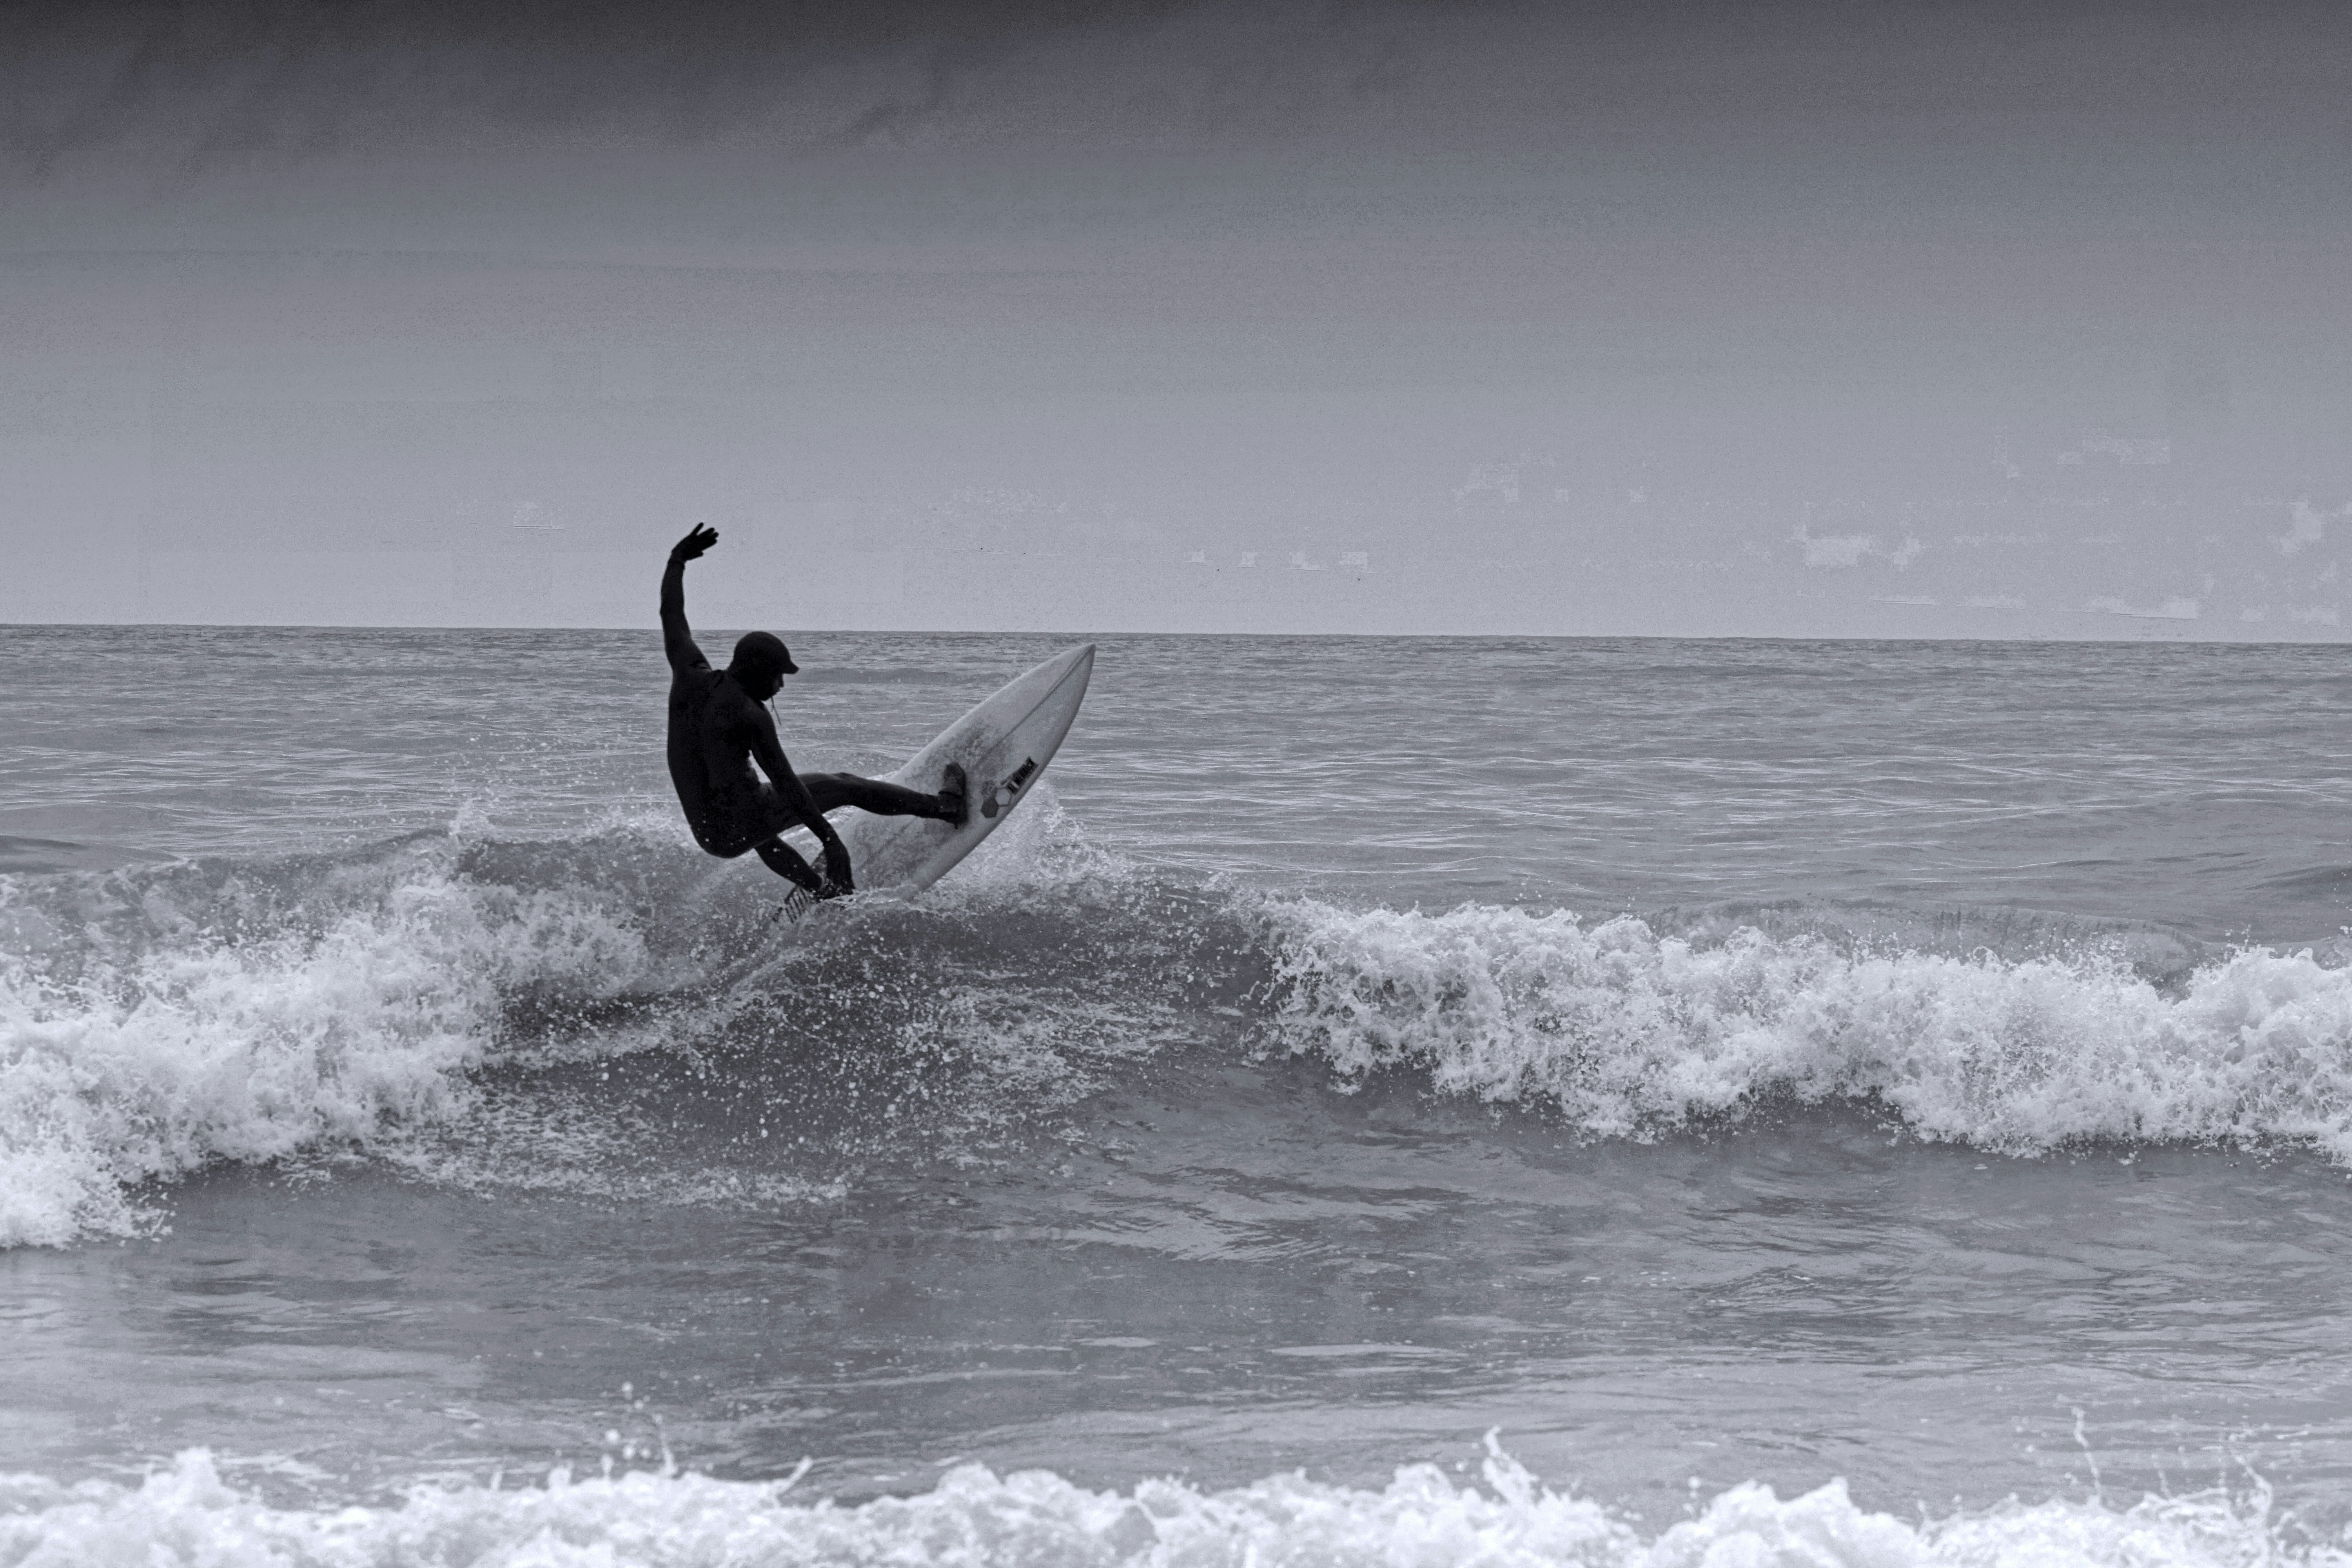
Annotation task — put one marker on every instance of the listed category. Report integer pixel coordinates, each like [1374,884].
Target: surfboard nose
[1078,662]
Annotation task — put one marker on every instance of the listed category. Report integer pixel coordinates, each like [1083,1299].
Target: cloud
[219,80]
[2306,526]
[2177,608]
[1928,92]
[1835,550]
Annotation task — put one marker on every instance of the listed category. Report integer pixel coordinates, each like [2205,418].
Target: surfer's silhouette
[719,728]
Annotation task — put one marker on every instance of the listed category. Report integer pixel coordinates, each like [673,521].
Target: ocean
[1402,1102]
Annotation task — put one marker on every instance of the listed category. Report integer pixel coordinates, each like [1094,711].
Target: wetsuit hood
[765,652]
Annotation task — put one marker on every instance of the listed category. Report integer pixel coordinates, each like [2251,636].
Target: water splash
[976,1519]
[1626,1031]
[153,1023]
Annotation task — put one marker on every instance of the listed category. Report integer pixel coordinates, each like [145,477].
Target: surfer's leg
[785,861]
[832,790]
[757,832]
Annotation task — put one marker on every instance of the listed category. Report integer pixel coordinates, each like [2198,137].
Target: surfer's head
[762,662]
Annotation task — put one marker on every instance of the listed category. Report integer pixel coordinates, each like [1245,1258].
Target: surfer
[719,727]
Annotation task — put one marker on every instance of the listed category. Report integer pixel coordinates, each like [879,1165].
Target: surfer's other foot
[955,803]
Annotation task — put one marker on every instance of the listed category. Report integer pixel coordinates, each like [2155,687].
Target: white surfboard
[1003,744]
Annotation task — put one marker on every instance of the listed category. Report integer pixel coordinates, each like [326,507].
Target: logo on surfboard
[999,797]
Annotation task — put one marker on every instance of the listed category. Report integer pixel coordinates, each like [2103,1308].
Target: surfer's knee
[724,849]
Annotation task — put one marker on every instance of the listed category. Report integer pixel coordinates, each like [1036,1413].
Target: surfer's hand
[836,870]
[701,537]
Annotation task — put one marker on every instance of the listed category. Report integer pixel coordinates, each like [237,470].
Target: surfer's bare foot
[955,803]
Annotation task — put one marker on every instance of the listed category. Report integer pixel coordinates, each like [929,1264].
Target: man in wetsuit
[719,727]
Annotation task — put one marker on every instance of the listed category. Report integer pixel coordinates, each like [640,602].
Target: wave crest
[157,1019]
[976,1518]
[153,1022]
[1630,1032]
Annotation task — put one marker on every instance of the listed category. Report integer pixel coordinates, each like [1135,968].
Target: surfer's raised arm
[721,738]
[677,641]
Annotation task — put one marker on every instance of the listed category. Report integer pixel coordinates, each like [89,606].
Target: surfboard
[1003,744]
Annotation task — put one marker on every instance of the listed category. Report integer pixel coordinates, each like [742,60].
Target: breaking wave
[153,1022]
[1625,1030]
[185,1513]
[423,1001]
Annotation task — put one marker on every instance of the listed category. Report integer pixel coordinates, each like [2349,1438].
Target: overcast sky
[1820,319]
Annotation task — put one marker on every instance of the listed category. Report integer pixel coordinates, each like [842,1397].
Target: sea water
[1398,1101]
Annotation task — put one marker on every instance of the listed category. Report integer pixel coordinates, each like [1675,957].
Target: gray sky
[1936,320]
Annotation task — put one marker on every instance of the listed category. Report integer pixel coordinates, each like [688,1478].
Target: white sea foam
[1040,852]
[162,1048]
[1627,1031]
[156,1020]
[187,1514]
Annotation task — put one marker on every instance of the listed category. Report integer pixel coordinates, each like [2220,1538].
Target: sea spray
[150,1044]
[161,1018]
[1624,1030]
[974,1518]
[156,1019]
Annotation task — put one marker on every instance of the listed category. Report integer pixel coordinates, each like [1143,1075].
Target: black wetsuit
[717,730]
